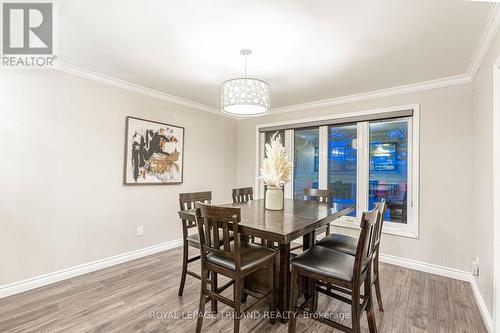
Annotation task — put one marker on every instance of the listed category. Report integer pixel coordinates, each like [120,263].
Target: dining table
[299,219]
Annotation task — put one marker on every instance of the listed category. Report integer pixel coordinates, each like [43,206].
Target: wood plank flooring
[141,296]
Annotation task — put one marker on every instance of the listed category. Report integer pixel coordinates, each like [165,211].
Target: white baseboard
[46,279]
[488,319]
[426,267]
[447,272]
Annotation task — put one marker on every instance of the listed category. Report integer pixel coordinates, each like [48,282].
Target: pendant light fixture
[245,96]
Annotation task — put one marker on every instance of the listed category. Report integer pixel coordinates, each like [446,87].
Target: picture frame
[154,153]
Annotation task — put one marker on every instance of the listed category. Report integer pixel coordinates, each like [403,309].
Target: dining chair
[245,194]
[319,196]
[336,274]
[186,202]
[234,260]
[348,244]
[242,194]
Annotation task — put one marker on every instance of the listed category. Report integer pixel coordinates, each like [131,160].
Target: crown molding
[399,90]
[136,88]
[84,73]
[487,35]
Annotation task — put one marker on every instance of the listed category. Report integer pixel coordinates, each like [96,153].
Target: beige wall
[62,201]
[483,171]
[445,171]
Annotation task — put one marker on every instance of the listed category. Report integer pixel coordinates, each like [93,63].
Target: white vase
[274,198]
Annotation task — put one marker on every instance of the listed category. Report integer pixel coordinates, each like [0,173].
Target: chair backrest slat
[366,241]
[318,195]
[243,194]
[225,235]
[215,231]
[206,232]
[214,221]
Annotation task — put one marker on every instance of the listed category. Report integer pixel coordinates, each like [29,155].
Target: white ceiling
[307,50]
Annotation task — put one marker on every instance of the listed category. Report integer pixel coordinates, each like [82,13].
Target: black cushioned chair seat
[342,243]
[251,255]
[195,238]
[323,261]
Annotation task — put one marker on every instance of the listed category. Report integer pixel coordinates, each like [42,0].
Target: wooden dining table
[298,219]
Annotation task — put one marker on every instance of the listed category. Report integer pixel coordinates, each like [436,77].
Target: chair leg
[311,292]
[272,308]
[237,304]
[370,315]
[315,300]
[377,283]
[214,289]
[244,295]
[203,300]
[355,313]
[292,321]
[185,254]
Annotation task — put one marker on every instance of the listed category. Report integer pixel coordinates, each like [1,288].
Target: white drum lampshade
[245,96]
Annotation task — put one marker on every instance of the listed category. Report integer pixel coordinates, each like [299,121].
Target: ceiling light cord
[246,53]
[245,66]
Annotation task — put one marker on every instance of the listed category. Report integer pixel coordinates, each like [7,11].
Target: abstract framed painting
[154,153]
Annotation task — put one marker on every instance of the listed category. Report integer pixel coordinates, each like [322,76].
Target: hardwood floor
[141,296]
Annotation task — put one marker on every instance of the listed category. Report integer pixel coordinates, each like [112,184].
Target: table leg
[308,240]
[284,279]
[244,238]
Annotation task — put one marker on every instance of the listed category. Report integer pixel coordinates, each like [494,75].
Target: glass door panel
[342,165]
[306,160]
[389,167]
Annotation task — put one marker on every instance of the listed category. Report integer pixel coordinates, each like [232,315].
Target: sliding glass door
[362,162]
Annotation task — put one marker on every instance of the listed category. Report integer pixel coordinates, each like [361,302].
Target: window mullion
[323,158]
[412,189]
[410,170]
[289,147]
[259,186]
[363,167]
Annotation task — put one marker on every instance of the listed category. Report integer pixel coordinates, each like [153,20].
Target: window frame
[411,228]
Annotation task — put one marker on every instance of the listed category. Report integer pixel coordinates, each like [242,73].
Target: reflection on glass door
[389,167]
[342,165]
[269,135]
[306,161]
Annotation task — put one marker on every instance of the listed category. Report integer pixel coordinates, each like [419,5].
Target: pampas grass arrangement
[276,167]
